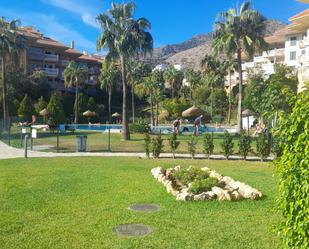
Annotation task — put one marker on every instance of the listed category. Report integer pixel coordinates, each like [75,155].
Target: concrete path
[7,152]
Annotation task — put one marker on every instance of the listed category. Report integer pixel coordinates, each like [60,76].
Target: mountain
[189,53]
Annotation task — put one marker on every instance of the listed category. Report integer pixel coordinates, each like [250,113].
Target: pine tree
[55,110]
[26,109]
[40,105]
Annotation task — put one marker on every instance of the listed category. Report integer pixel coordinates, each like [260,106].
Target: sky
[173,21]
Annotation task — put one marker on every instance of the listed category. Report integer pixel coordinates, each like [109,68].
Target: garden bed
[203,184]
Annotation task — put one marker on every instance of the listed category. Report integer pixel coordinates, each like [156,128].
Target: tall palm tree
[11,44]
[110,77]
[239,31]
[194,79]
[124,37]
[74,76]
[173,77]
[214,72]
[136,71]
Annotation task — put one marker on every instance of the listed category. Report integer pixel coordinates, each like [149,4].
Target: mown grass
[98,142]
[76,202]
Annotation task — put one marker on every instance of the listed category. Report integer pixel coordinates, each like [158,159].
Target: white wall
[290,47]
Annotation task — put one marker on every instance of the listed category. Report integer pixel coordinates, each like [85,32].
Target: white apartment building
[289,45]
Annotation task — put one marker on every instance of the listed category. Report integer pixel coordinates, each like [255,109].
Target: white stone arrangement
[229,189]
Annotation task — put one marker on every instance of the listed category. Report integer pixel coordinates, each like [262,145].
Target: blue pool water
[164,129]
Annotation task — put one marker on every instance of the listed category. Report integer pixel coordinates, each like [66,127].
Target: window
[293,56]
[293,41]
[303,52]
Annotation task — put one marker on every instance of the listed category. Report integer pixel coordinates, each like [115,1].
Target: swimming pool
[164,129]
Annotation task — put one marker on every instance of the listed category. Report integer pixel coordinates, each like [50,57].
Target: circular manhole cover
[145,207]
[132,230]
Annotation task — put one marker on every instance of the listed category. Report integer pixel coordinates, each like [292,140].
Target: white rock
[246,191]
[157,171]
[210,195]
[182,196]
[201,197]
[170,189]
[177,168]
[235,195]
[222,195]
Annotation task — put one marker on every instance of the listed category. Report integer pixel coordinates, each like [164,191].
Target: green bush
[140,127]
[192,146]
[40,105]
[203,185]
[244,144]
[263,146]
[157,146]
[186,176]
[208,144]
[292,167]
[227,145]
[147,142]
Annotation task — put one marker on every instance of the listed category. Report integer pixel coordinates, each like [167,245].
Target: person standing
[176,126]
[197,124]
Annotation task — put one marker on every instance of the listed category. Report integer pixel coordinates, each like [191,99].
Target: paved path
[7,152]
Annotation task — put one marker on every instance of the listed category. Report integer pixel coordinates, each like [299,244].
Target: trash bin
[81,143]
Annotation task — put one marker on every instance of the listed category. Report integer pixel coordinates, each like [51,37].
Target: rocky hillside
[189,53]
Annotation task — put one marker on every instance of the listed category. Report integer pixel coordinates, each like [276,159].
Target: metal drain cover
[132,230]
[145,207]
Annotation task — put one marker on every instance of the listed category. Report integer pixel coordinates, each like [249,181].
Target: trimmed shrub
[292,168]
[40,105]
[263,146]
[147,142]
[203,185]
[208,144]
[244,144]
[227,145]
[157,146]
[172,140]
[26,109]
[192,146]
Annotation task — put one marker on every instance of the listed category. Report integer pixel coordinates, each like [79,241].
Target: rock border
[229,188]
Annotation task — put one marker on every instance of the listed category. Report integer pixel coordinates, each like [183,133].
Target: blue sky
[172,21]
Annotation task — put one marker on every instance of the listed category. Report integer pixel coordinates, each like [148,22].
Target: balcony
[51,72]
[64,62]
[94,70]
[274,53]
[51,57]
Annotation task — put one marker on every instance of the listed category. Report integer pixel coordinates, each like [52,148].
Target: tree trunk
[133,104]
[239,117]
[151,111]
[211,100]
[110,105]
[4,97]
[125,124]
[157,113]
[230,97]
[76,104]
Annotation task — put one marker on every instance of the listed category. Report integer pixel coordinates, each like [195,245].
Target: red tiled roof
[90,58]
[50,42]
[301,14]
[73,51]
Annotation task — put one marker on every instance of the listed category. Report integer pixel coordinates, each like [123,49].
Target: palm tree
[74,76]
[136,71]
[194,79]
[11,44]
[109,78]
[124,37]
[173,77]
[237,32]
[214,71]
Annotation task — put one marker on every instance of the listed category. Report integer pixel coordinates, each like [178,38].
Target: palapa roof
[193,111]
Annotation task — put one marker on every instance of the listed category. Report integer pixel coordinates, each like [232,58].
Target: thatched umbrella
[44,113]
[247,113]
[89,114]
[192,112]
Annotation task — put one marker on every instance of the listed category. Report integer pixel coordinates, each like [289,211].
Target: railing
[64,62]
[51,71]
[51,57]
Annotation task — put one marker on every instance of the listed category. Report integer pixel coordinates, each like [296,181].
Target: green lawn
[98,142]
[76,203]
